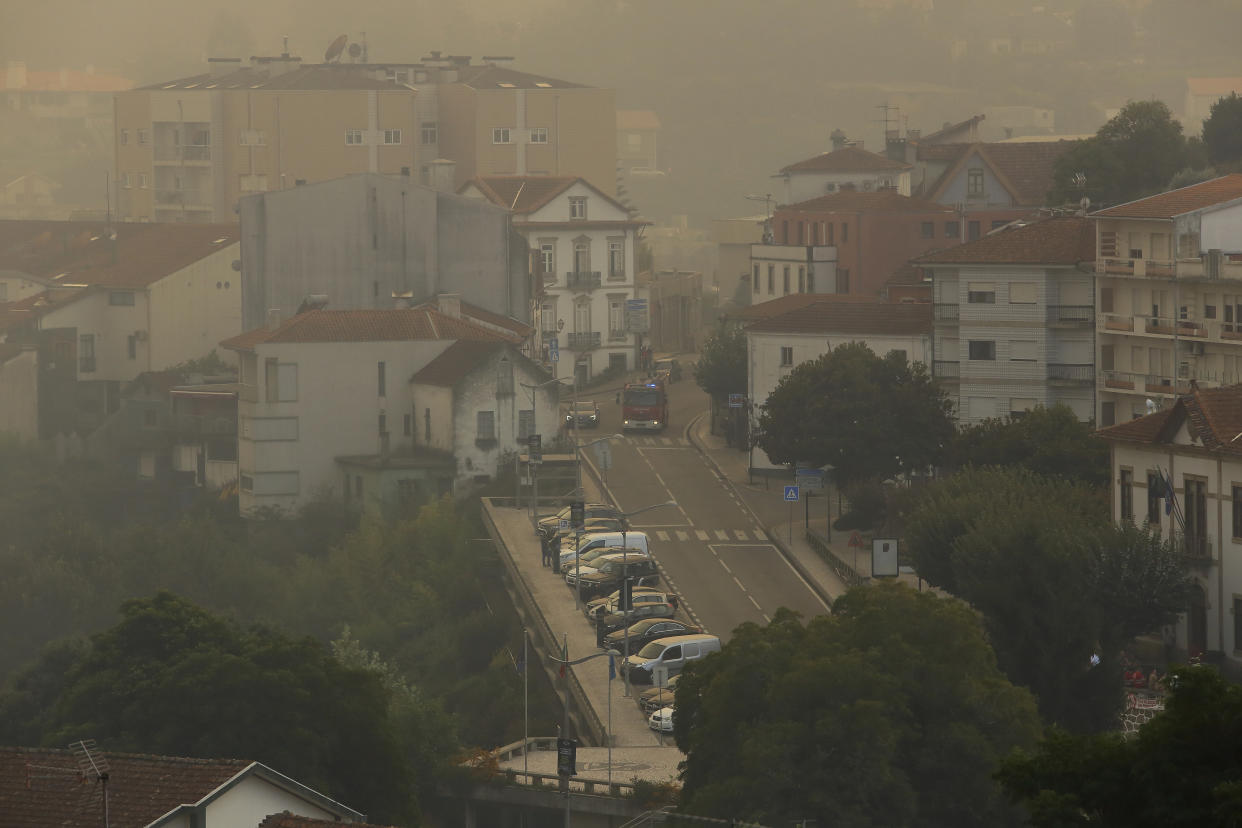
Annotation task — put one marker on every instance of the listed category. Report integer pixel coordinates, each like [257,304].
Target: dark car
[586,412]
[550,525]
[668,369]
[653,698]
[611,570]
[649,629]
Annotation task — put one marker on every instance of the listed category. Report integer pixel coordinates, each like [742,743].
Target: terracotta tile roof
[637,119]
[1065,240]
[79,252]
[66,81]
[452,366]
[1024,168]
[305,76]
[887,201]
[784,304]
[391,325]
[1213,416]
[1181,201]
[949,129]
[524,194]
[830,315]
[487,76]
[16,314]
[846,159]
[288,820]
[1213,86]
[42,788]
[485,317]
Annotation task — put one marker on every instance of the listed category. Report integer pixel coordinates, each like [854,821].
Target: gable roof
[970,125]
[876,201]
[846,159]
[1180,201]
[457,361]
[388,325]
[484,317]
[80,252]
[490,76]
[1064,240]
[17,313]
[1212,415]
[1024,168]
[833,316]
[524,194]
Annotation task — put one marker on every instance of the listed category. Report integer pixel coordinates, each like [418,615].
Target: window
[802,232]
[407,425]
[755,286]
[786,356]
[1237,512]
[429,133]
[392,136]
[1108,413]
[504,377]
[831,238]
[539,135]
[616,317]
[1237,623]
[845,233]
[1126,486]
[1022,293]
[500,135]
[247,483]
[616,258]
[253,183]
[974,181]
[353,137]
[843,280]
[121,297]
[1019,407]
[1194,504]
[771,279]
[582,255]
[144,136]
[251,138]
[547,318]
[381,379]
[802,279]
[86,353]
[280,381]
[981,293]
[810,282]
[785,279]
[142,181]
[577,207]
[485,425]
[427,425]
[1022,350]
[526,424]
[547,259]
[981,349]
[124,137]
[929,229]
[1155,494]
[952,230]
[972,230]
[131,346]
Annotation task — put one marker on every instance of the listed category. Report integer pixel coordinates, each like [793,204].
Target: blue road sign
[554,350]
[737,400]
[791,494]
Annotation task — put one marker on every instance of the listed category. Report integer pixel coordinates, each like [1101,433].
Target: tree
[721,369]
[1048,441]
[889,712]
[870,417]
[1182,768]
[1055,580]
[1222,132]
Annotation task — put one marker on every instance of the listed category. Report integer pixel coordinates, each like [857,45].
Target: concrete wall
[194,308]
[111,326]
[253,799]
[15,285]
[19,396]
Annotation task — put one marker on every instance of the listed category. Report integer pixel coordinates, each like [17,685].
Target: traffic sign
[566,757]
[577,513]
[811,479]
[636,316]
[603,455]
[791,494]
[856,540]
[535,448]
[737,401]
[554,350]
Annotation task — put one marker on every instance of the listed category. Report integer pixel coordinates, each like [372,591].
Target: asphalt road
[712,551]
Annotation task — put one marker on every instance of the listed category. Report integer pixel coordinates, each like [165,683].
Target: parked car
[549,525]
[613,621]
[637,599]
[667,369]
[604,540]
[653,698]
[586,412]
[585,570]
[593,526]
[661,721]
[666,657]
[647,630]
[610,570]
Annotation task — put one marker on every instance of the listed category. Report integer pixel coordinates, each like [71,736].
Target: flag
[612,668]
[1168,492]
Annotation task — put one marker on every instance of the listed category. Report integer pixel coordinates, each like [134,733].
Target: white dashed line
[683,536]
[701,535]
[661,534]
[739,586]
[741,534]
[726,568]
[756,603]
[722,534]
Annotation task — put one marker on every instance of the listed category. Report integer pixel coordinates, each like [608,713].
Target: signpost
[566,757]
[577,514]
[535,448]
[636,316]
[737,401]
[554,350]
[791,497]
[603,456]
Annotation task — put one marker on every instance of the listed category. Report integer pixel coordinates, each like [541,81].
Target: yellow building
[187,149]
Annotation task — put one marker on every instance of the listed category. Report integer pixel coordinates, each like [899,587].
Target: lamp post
[534,477]
[625,587]
[566,662]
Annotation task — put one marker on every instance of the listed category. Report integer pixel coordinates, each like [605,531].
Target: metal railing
[1071,371]
[1195,546]
[1071,314]
[582,280]
[202,424]
[946,312]
[180,198]
[182,152]
[946,369]
[584,341]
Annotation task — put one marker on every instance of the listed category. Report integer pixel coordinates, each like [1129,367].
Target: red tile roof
[846,159]
[288,820]
[43,788]
[1213,416]
[969,125]
[452,366]
[831,315]
[1024,167]
[485,317]
[1181,201]
[524,194]
[66,81]
[391,325]
[79,252]
[888,201]
[1065,240]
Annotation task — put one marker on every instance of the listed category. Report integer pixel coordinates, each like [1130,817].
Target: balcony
[617,336]
[946,312]
[202,425]
[1117,322]
[584,341]
[946,369]
[582,279]
[1070,372]
[175,154]
[183,199]
[1171,327]
[1080,315]
[1118,381]
[1195,547]
[1198,267]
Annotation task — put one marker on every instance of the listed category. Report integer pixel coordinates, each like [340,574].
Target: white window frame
[429,132]
[501,135]
[616,258]
[354,137]
[539,135]
[786,356]
[392,137]
[577,208]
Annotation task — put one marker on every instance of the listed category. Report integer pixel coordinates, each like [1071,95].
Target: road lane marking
[739,586]
[741,534]
[682,536]
[661,534]
[726,568]
[722,534]
[701,535]
[756,603]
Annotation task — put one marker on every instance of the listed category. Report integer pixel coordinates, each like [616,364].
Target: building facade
[847,167]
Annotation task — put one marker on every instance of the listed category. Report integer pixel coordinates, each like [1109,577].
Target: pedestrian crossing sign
[791,494]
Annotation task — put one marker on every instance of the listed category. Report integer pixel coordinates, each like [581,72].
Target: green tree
[1048,441]
[1222,132]
[1182,768]
[870,417]
[721,369]
[889,712]
[1055,580]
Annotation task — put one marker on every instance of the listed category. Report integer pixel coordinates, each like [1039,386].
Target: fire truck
[644,406]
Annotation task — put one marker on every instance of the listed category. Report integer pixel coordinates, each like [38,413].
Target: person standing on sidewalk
[674,602]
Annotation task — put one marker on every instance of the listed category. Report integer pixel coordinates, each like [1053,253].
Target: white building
[803,328]
[1169,295]
[584,243]
[847,167]
[778,270]
[1014,315]
[327,406]
[1191,444]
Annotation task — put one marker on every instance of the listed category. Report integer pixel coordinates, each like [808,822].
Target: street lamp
[565,729]
[625,675]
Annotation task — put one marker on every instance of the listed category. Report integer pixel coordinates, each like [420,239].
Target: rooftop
[390,325]
[490,76]
[831,315]
[877,201]
[1065,240]
[1180,201]
[1024,167]
[457,361]
[266,76]
[17,78]
[524,194]
[1212,415]
[846,159]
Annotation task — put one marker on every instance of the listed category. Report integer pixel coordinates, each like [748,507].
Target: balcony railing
[191,199]
[1169,327]
[1118,322]
[946,312]
[1195,546]
[1119,381]
[202,424]
[582,279]
[1071,372]
[1071,314]
[1198,267]
[946,369]
[584,341]
[617,336]
[183,152]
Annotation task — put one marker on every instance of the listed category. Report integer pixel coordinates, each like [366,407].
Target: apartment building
[1014,320]
[1169,296]
[584,247]
[846,167]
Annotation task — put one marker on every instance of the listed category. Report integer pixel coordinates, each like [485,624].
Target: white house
[584,243]
[802,328]
[1014,319]
[326,406]
[1191,444]
[848,166]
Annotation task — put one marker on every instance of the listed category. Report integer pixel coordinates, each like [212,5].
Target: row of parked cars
[598,561]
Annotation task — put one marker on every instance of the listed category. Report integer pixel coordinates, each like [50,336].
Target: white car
[661,721]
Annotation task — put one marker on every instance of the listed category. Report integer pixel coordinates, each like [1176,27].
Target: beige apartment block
[188,149]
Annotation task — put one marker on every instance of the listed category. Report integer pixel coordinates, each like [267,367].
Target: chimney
[219,66]
[441,175]
[273,318]
[838,139]
[403,301]
[449,304]
[894,146]
[16,74]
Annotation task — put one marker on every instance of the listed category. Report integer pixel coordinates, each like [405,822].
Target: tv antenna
[94,766]
[886,108]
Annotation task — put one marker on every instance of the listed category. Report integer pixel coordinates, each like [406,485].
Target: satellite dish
[354,50]
[335,49]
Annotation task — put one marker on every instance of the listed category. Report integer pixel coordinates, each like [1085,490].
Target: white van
[633,540]
[664,658]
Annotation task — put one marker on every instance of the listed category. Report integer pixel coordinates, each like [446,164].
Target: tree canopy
[889,712]
[1055,580]
[1181,770]
[871,417]
[1049,441]
[721,369]
[1222,132]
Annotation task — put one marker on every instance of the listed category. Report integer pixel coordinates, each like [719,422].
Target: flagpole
[525,705]
[611,673]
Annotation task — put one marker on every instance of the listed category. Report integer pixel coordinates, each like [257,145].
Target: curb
[773,536]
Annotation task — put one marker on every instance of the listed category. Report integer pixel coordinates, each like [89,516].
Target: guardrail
[844,571]
[552,780]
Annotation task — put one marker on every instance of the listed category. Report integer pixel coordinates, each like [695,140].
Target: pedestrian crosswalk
[731,535]
[660,442]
